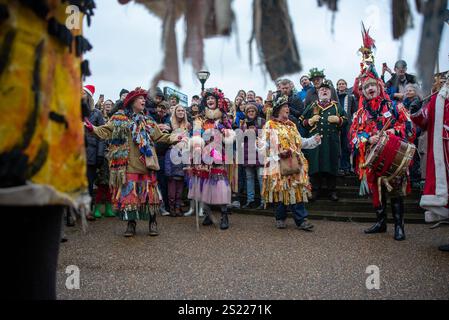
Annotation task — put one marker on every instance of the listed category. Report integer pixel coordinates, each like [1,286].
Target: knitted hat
[90,89]
[123,91]
[159,93]
[251,106]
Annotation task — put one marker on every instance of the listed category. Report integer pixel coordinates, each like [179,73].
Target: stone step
[352,192]
[358,205]
[338,216]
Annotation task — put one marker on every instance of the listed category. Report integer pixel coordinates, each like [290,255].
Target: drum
[390,157]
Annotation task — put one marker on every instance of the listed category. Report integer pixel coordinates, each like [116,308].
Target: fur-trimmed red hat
[90,89]
[138,92]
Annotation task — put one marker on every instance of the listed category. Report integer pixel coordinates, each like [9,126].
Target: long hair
[175,123]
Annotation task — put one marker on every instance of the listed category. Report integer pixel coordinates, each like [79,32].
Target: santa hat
[90,89]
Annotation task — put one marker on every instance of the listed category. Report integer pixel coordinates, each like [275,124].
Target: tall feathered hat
[368,73]
[369,44]
[219,96]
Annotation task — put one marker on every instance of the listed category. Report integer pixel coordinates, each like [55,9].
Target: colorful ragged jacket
[369,120]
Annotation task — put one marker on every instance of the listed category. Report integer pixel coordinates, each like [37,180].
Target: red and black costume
[377,112]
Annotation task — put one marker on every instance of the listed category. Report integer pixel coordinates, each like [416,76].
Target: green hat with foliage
[315,73]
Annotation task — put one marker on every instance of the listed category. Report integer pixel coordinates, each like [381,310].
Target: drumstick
[387,124]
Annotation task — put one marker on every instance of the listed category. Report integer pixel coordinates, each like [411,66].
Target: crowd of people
[130,143]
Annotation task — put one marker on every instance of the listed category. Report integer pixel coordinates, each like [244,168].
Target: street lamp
[203,76]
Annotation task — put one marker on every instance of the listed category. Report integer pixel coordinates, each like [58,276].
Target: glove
[333,119]
[88,125]
[415,106]
[314,120]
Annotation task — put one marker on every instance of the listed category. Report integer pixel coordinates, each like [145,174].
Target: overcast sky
[127,46]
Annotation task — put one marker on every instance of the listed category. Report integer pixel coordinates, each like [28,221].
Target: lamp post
[202,77]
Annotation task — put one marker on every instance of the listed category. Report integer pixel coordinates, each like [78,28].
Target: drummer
[375,111]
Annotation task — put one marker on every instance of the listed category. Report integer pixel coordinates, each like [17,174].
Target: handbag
[290,165]
[151,163]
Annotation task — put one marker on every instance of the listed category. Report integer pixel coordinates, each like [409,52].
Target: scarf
[141,131]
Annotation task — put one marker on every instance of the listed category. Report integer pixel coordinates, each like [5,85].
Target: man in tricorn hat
[317,77]
[325,117]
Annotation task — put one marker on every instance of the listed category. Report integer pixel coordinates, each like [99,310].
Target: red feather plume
[368,41]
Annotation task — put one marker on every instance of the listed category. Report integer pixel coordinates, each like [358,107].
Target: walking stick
[197,216]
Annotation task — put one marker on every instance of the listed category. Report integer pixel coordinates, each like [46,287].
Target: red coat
[434,117]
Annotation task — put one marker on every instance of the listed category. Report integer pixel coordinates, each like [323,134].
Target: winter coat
[259,124]
[296,106]
[238,116]
[303,93]
[392,85]
[161,148]
[324,159]
[95,147]
[349,104]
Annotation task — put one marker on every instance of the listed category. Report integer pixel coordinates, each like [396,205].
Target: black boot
[397,207]
[131,229]
[153,226]
[224,224]
[207,220]
[381,224]
[444,248]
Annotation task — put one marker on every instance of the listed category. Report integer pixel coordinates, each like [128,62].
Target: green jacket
[326,157]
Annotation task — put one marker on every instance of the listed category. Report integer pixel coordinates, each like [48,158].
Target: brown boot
[179,212]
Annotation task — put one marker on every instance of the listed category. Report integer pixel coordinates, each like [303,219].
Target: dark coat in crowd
[392,85]
[258,123]
[349,104]
[161,148]
[296,106]
[324,158]
[95,148]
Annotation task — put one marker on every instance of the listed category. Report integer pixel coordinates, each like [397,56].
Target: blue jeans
[299,212]
[251,174]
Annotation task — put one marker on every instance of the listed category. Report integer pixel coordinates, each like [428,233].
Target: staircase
[351,206]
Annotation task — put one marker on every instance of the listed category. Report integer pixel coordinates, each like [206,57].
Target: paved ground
[253,260]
